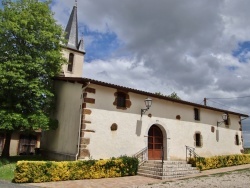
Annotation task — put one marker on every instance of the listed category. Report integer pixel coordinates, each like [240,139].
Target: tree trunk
[6,148]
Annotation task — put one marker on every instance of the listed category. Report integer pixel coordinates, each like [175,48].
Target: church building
[100,120]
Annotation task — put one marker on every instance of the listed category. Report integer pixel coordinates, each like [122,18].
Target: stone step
[167,169]
[167,165]
[168,173]
[170,169]
[160,177]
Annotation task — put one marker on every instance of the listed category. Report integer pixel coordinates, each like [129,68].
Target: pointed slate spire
[72,29]
[81,45]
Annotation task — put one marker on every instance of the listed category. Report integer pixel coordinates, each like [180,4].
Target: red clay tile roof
[86,80]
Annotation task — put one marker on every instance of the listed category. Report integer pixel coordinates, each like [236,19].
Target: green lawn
[7,166]
[7,171]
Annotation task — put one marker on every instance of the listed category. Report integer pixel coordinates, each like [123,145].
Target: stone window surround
[127,103]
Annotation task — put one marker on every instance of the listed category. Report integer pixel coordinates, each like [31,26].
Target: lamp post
[148,103]
[224,117]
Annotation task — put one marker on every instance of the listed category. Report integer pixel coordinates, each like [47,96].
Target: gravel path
[235,179]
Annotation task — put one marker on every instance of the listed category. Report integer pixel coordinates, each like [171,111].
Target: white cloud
[171,45]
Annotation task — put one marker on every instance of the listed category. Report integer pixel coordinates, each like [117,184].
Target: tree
[172,95]
[30,48]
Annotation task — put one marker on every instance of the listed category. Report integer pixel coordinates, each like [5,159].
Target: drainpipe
[80,124]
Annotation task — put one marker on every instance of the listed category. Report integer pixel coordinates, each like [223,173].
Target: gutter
[80,124]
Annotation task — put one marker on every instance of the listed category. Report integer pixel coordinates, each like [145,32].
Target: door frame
[166,138]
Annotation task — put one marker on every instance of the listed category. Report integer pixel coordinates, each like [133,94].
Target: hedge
[46,171]
[220,161]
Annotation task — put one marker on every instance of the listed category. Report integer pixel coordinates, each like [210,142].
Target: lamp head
[224,117]
[148,102]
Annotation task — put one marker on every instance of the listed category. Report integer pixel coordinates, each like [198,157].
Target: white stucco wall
[105,143]
[63,140]
[77,64]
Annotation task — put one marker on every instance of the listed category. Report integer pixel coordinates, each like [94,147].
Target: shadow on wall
[138,127]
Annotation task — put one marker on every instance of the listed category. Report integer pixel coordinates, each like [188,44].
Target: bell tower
[73,51]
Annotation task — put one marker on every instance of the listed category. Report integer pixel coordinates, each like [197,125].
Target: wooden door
[155,143]
[27,144]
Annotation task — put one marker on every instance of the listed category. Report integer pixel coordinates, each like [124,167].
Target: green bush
[220,161]
[45,171]
[246,150]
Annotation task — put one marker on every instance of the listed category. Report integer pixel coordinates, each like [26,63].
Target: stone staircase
[171,169]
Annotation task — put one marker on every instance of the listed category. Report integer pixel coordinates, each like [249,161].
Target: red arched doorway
[155,143]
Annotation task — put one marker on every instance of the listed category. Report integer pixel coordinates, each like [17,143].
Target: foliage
[220,161]
[246,150]
[42,171]
[8,166]
[30,48]
[7,171]
[172,95]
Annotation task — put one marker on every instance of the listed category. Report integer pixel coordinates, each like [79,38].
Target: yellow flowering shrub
[45,171]
[220,161]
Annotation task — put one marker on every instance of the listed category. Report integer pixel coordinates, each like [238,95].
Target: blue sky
[103,45]
[242,52]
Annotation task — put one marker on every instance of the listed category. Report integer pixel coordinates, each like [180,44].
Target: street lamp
[224,117]
[148,103]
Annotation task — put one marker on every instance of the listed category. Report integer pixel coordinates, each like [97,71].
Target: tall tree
[30,54]
[172,95]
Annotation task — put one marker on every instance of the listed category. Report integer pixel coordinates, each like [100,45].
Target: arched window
[71,62]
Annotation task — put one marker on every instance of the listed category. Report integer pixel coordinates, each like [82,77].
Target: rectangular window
[196,114]
[197,139]
[237,142]
[121,100]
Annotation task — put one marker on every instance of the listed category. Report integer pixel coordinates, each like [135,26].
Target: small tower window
[71,62]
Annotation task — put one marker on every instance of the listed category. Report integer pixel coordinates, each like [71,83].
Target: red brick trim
[88,131]
[89,100]
[90,90]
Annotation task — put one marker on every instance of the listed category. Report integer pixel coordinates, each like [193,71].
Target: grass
[8,166]
[7,171]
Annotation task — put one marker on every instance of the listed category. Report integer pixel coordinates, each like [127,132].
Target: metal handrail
[192,154]
[142,155]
